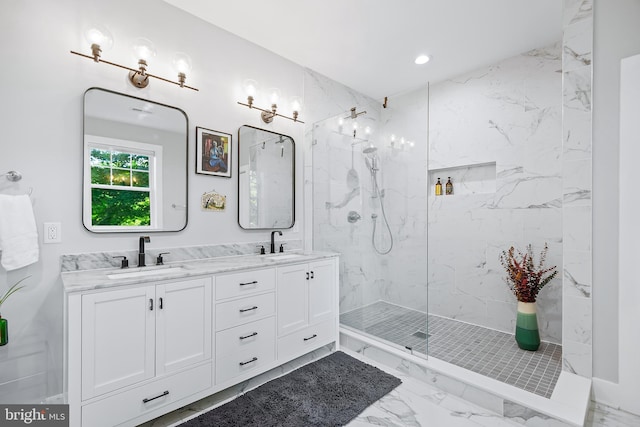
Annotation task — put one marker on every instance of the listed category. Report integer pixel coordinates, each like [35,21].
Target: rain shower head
[370,149]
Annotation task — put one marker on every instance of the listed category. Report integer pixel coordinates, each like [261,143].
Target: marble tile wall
[508,116]
[403,177]
[328,148]
[343,185]
[577,49]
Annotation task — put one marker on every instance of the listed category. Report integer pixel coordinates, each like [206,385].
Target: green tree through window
[120,187]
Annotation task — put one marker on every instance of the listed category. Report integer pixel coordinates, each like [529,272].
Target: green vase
[4,331]
[527,335]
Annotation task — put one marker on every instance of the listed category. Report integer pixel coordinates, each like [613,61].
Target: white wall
[616,36]
[41,90]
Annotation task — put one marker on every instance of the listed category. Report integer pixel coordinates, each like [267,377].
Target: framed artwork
[213,155]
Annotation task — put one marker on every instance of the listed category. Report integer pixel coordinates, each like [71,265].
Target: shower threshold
[482,350]
[568,403]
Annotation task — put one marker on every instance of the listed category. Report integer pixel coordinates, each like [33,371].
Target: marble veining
[412,403]
[577,196]
[76,281]
[96,260]
[510,115]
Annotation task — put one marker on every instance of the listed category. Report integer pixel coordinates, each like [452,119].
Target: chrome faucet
[141,254]
[273,244]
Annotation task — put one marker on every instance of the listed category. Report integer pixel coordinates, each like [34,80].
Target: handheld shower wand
[371,160]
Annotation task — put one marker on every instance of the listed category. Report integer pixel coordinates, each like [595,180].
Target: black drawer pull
[249,336]
[312,274]
[255,282]
[150,304]
[311,337]
[243,310]
[166,393]
[161,303]
[248,361]
[307,275]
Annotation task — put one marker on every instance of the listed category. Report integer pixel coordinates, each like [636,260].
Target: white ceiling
[370,45]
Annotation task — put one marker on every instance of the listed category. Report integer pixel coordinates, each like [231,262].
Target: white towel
[18,234]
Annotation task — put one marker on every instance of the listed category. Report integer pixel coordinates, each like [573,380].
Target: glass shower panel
[370,205]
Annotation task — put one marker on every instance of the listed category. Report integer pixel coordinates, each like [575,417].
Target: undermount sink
[284,256]
[147,271]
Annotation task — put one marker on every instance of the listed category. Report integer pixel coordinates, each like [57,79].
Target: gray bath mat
[329,392]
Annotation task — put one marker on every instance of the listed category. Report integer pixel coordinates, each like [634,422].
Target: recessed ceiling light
[422,59]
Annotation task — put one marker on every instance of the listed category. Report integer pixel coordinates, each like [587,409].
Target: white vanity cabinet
[306,307]
[138,348]
[245,324]
[130,341]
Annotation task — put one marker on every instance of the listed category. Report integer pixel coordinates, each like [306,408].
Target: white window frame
[154,152]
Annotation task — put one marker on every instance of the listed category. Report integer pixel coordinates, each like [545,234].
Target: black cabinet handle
[166,393]
[312,274]
[161,303]
[255,282]
[244,310]
[311,337]
[248,361]
[249,336]
[150,304]
[307,275]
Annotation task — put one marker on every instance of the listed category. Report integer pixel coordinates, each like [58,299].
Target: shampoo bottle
[449,187]
[438,188]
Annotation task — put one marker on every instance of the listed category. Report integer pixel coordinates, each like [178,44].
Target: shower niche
[479,178]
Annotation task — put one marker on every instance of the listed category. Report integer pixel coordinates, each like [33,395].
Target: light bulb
[367,130]
[100,35]
[355,125]
[393,138]
[250,87]
[182,62]
[340,121]
[274,96]
[143,49]
[296,103]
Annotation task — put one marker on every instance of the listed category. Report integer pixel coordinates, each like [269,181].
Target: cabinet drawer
[235,357]
[305,340]
[249,337]
[130,404]
[245,283]
[244,310]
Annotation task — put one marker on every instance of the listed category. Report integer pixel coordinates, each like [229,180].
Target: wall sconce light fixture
[100,38]
[403,144]
[251,87]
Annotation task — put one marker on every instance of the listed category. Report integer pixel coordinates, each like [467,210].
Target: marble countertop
[86,280]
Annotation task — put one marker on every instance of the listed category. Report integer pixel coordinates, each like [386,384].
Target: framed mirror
[266,184]
[135,164]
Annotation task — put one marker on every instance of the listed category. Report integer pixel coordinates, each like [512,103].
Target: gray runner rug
[328,392]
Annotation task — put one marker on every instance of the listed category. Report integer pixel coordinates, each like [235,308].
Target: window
[122,184]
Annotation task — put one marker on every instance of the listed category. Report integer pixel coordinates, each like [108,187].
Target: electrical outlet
[52,232]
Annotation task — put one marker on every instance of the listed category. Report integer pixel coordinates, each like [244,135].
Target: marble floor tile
[416,404]
[605,416]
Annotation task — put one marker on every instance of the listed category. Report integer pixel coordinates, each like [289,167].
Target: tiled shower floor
[478,349]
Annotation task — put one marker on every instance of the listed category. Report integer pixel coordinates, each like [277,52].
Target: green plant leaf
[13,289]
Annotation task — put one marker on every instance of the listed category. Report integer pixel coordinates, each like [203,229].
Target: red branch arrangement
[524,278]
